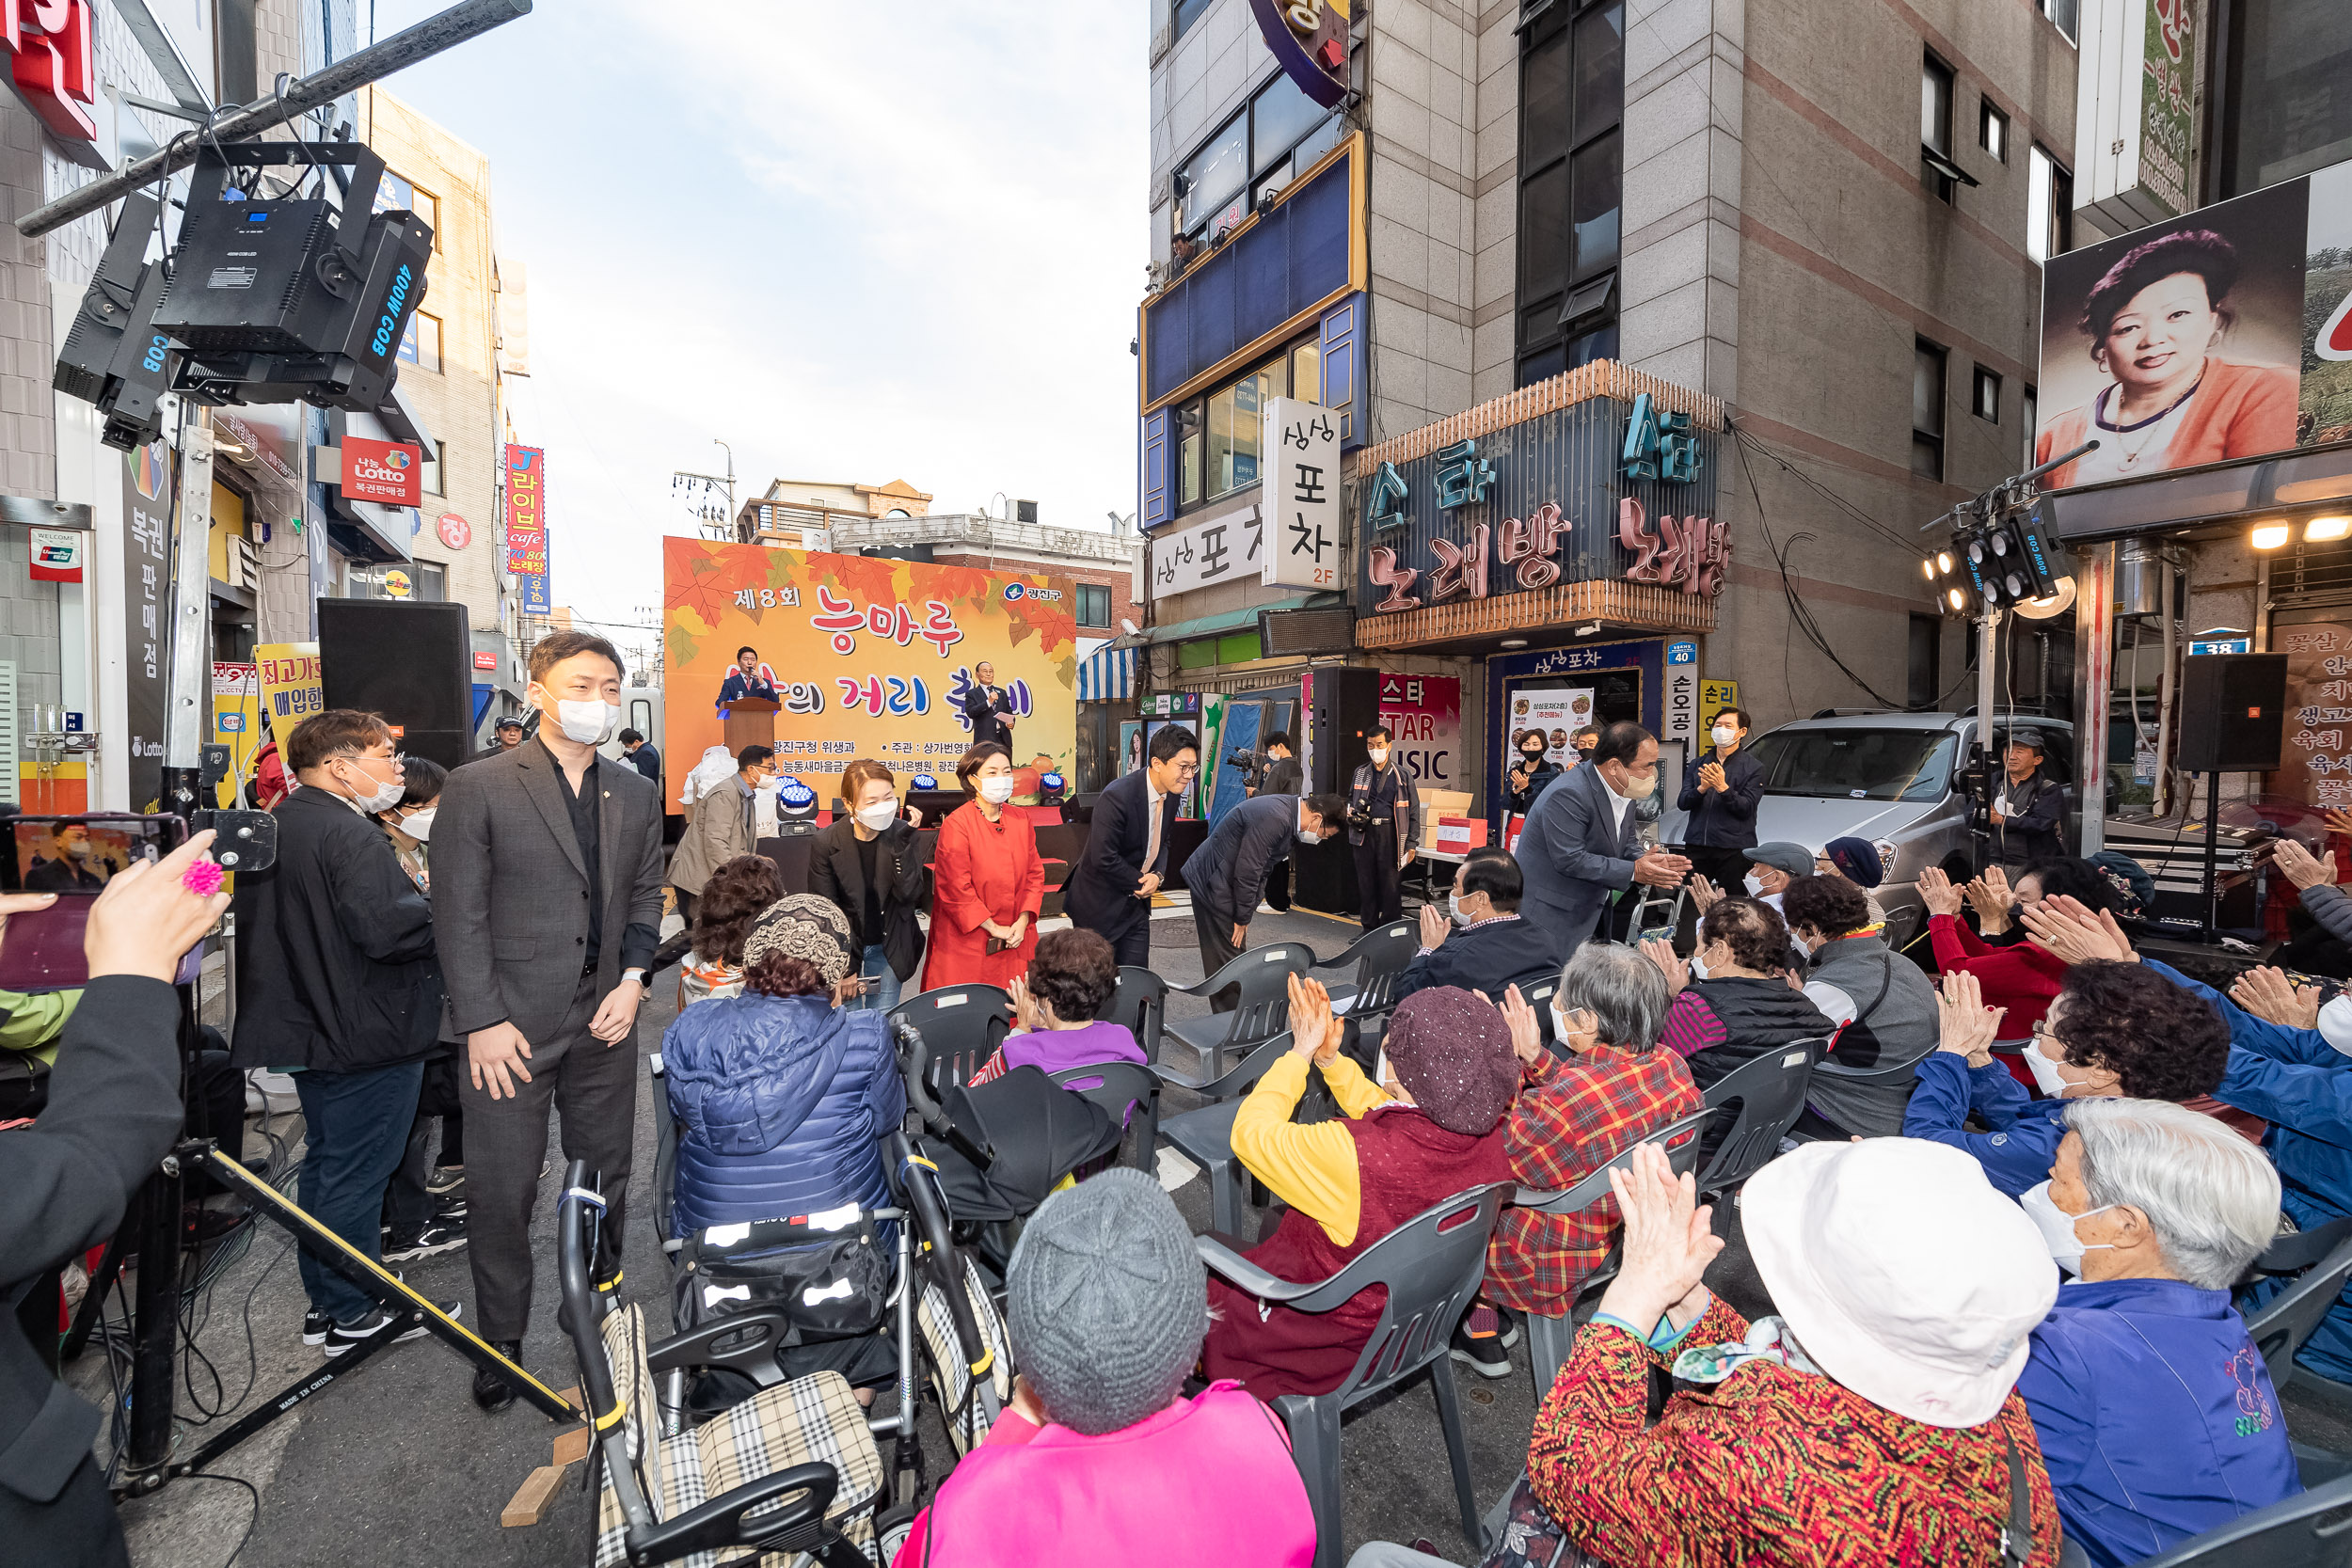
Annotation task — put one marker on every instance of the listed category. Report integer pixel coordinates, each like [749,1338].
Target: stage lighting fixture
[114,357]
[796,808]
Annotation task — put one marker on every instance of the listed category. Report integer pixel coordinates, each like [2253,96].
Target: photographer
[1279,773]
[113,1110]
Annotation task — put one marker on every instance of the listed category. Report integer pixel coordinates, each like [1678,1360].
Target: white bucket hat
[1902,1271]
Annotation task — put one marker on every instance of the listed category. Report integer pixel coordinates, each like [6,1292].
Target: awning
[1214,626]
[1108,675]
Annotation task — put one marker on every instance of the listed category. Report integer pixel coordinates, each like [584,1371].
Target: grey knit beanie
[1108,1302]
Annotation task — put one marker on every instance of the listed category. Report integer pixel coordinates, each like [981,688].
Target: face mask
[1532,757]
[881,815]
[1723,737]
[386,796]
[2046,1076]
[1698,967]
[2057,1227]
[1564,1027]
[1636,788]
[996,791]
[2335,1023]
[1453,908]
[419,825]
[79,851]
[1311,835]
[1755,885]
[589,724]
[1380,757]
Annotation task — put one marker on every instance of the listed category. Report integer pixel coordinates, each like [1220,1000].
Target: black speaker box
[2234,712]
[1346,703]
[410,662]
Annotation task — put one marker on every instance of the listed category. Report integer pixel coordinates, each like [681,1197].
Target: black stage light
[114,356]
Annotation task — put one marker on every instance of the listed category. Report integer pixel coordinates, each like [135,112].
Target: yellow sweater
[1311,1168]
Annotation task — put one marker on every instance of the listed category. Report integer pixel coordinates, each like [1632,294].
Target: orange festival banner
[867,657]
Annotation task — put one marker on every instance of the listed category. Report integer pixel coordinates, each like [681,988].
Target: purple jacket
[1058,1049]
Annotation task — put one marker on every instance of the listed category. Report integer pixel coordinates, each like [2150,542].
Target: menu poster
[1556,712]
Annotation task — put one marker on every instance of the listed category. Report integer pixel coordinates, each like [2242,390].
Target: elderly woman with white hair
[2156,1417]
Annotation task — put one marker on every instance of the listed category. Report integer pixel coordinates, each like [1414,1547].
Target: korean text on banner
[527,526]
[872,657]
[1424,714]
[1553,712]
[291,690]
[1303,490]
[1230,549]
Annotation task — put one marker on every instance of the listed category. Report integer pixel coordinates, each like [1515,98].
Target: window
[1277,136]
[394,194]
[432,582]
[429,472]
[1094,604]
[1993,130]
[2062,14]
[2049,206]
[1927,655]
[1935,124]
[1988,398]
[1188,12]
[420,345]
[1216,434]
[1570,188]
[1927,410]
[2279,106]
[2029,415]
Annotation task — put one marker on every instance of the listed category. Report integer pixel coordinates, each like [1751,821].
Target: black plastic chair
[1538,997]
[817,1476]
[2311,1530]
[1373,964]
[1262,1011]
[961,1028]
[2281,1324]
[1120,1088]
[1140,1004]
[1431,1266]
[1550,1338]
[1205,1136]
[1770,1092]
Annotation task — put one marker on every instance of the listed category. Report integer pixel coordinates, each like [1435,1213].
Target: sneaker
[436,1236]
[1510,1335]
[453,1207]
[341,1339]
[1478,1343]
[315,1326]
[445,1179]
[491,1392]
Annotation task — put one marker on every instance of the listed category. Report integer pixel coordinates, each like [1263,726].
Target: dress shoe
[491,1389]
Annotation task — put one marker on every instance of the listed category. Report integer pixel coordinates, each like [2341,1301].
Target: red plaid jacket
[1569,1119]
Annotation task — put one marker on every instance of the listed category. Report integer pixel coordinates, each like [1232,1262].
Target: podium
[750,722]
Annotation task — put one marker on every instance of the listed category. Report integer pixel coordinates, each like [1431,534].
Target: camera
[1253,764]
[1360,816]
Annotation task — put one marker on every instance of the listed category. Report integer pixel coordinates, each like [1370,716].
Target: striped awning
[1108,675]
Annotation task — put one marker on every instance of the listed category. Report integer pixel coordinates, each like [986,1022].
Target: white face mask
[419,825]
[881,815]
[1755,885]
[77,851]
[2057,1227]
[2335,1023]
[1724,736]
[1561,1025]
[1697,964]
[1380,757]
[589,724]
[996,791]
[386,796]
[2046,1076]
[1309,836]
[1453,908]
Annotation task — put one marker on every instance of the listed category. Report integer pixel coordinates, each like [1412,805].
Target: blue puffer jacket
[780,1100]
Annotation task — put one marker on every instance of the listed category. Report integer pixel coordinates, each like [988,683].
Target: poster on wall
[236,722]
[2317,757]
[1424,714]
[1553,712]
[873,658]
[146,483]
[290,687]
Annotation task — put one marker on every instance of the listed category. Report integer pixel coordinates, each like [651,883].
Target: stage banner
[291,688]
[1424,715]
[871,657]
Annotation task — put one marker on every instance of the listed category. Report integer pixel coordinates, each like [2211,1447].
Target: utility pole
[701,492]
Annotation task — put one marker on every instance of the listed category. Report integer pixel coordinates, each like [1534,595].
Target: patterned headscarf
[802,925]
[1452,1054]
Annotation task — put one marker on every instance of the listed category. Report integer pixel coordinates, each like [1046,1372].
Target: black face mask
[1532,757]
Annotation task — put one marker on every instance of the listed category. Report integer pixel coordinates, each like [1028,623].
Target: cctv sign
[386,472]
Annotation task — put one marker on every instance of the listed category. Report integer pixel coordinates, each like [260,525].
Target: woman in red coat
[989,879]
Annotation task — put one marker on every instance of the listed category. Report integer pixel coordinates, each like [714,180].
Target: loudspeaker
[2234,712]
[413,663]
[1346,703]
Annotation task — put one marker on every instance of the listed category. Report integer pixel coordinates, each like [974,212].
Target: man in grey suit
[547,908]
[1227,874]
[1581,844]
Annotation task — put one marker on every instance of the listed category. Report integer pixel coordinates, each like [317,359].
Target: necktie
[1152,844]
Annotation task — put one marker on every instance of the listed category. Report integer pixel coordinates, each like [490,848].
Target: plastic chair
[1770,1092]
[961,1027]
[813,1473]
[1538,997]
[1378,959]
[1431,1266]
[1205,1136]
[1140,1002]
[2280,1325]
[1262,1012]
[2311,1530]
[1550,1338]
[1120,1087]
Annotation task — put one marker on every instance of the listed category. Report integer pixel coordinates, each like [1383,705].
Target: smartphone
[74,857]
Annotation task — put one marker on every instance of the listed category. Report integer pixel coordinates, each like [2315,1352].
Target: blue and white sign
[1680,713]
[2222,645]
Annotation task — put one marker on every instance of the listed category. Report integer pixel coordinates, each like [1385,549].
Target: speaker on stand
[1345,705]
[2233,708]
[413,663]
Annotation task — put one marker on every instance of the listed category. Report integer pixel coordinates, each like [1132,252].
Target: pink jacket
[1206,1480]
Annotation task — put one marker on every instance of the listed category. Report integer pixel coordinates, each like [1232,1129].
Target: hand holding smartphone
[75,859]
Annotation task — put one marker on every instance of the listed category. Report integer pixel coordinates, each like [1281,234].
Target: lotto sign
[871,657]
[55,554]
[53,62]
[1301,542]
[389,473]
[527,526]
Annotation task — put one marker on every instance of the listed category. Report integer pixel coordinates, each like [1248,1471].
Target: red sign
[386,472]
[53,62]
[485,661]
[55,555]
[455,531]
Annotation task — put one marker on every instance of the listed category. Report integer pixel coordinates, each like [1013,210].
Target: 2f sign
[1301,507]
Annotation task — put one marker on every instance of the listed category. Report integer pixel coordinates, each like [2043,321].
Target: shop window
[1987,400]
[394,194]
[429,472]
[1277,136]
[1094,604]
[1993,130]
[2281,109]
[2064,14]
[1927,410]
[1218,434]
[1571,186]
[1188,12]
[432,581]
[2049,206]
[1935,123]
[421,347]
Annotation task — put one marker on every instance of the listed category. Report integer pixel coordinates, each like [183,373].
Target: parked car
[1889,778]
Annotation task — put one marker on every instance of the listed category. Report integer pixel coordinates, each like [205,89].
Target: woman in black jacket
[1532,772]
[1721,793]
[870,863]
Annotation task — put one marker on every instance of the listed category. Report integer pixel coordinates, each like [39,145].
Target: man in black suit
[989,706]
[640,753]
[1580,844]
[1125,859]
[1493,948]
[1228,872]
[64,866]
[113,1110]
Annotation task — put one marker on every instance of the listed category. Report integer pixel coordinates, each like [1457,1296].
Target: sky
[858,242]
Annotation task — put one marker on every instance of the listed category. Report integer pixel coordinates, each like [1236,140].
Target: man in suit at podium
[1125,859]
[989,706]
[745,680]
